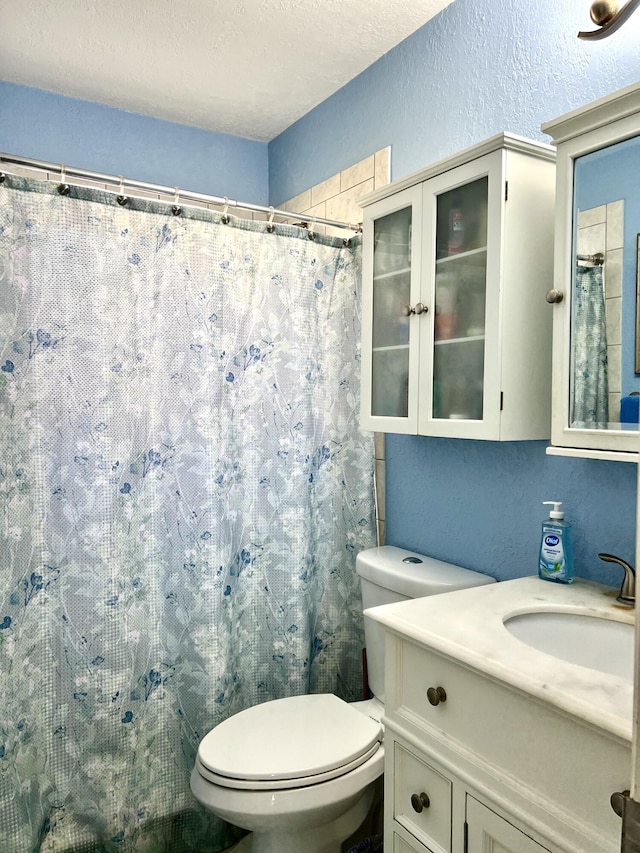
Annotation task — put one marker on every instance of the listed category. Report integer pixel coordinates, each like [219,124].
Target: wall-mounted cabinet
[596,337]
[456,331]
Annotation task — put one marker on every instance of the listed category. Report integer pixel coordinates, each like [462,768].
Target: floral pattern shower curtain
[184,489]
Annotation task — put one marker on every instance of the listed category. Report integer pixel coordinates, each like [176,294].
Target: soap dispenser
[556,554]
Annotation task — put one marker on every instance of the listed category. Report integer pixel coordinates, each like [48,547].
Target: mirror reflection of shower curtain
[590,386]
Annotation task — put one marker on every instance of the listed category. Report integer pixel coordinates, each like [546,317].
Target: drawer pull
[420,801]
[436,695]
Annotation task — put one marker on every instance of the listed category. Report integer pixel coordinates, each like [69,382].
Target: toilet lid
[284,742]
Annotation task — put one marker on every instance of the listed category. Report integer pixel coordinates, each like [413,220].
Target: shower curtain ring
[312,233]
[225,216]
[63,186]
[176,209]
[122,199]
[270,226]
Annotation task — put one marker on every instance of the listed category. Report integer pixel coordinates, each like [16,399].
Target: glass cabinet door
[391,265]
[391,313]
[460,302]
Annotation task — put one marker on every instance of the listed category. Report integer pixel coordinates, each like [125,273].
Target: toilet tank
[389,574]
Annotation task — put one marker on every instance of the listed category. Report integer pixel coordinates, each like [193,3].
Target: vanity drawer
[422,800]
[494,730]
[456,711]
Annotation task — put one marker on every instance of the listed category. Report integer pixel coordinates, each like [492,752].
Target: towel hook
[176,209]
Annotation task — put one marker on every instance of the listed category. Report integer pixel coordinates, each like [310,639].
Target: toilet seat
[288,743]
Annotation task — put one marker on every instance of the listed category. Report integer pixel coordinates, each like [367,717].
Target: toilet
[299,772]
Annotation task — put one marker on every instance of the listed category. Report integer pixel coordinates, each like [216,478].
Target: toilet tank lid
[414,575]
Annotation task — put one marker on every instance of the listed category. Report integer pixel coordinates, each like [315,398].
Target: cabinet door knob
[554,296]
[436,695]
[407,310]
[617,801]
[420,801]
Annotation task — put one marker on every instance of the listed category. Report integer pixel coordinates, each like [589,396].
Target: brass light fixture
[608,17]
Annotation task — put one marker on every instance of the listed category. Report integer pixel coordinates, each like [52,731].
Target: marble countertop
[467,625]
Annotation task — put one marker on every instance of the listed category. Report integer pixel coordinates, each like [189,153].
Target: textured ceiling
[246,67]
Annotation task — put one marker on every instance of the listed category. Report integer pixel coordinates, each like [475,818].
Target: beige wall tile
[321,192]
[382,170]
[592,216]
[615,224]
[380,488]
[345,206]
[613,273]
[614,408]
[614,324]
[591,239]
[316,210]
[358,174]
[299,202]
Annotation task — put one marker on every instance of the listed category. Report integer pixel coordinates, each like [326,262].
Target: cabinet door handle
[420,801]
[617,801]
[407,310]
[554,296]
[436,695]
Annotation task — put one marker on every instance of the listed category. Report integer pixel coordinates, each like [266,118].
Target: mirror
[604,380]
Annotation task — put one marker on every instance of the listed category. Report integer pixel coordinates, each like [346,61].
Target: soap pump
[555,562]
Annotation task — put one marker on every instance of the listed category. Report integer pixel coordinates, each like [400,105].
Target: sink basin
[601,644]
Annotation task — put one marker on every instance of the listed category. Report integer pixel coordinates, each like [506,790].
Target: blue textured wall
[479,504]
[480,67]
[50,127]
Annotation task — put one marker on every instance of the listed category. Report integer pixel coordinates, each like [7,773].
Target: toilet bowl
[300,772]
[297,772]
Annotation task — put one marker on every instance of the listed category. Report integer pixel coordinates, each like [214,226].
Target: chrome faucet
[628,588]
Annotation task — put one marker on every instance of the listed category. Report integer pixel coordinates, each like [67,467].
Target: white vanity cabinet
[596,328]
[489,767]
[486,830]
[457,259]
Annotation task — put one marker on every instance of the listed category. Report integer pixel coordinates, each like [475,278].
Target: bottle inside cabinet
[460,296]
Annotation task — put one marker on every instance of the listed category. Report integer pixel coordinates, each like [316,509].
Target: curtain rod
[596,260]
[174,193]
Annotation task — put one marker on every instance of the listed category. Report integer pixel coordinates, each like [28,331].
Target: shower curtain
[184,491]
[590,386]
